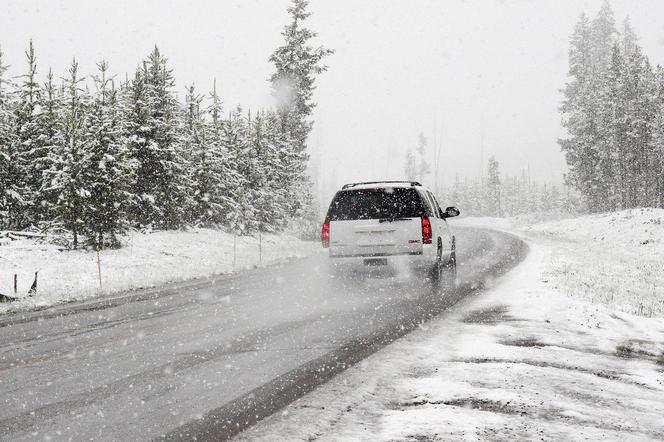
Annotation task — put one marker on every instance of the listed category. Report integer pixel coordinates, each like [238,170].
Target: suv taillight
[426,230]
[325,234]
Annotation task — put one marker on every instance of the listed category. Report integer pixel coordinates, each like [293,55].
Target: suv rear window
[380,203]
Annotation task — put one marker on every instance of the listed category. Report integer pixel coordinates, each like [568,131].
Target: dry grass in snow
[614,258]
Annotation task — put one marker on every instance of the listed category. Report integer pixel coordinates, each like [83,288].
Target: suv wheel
[451,267]
[437,269]
[445,274]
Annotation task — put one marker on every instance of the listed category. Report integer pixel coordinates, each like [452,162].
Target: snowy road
[208,358]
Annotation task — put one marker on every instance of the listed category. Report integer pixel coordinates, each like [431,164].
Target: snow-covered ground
[146,260]
[615,258]
[542,355]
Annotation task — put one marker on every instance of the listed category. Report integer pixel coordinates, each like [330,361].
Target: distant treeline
[613,111]
[92,163]
[506,196]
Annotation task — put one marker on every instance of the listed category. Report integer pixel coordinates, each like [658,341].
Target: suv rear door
[376,222]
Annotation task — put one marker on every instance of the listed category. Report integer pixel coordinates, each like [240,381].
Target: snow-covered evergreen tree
[31,155]
[10,193]
[639,82]
[578,110]
[609,142]
[274,175]
[213,182]
[416,166]
[286,168]
[161,185]
[108,175]
[493,187]
[297,64]
[554,201]
[141,151]
[225,188]
[603,36]
[241,161]
[410,166]
[51,132]
[423,167]
[194,141]
[657,153]
[70,167]
[628,39]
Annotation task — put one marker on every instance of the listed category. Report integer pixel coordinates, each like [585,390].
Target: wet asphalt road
[205,359]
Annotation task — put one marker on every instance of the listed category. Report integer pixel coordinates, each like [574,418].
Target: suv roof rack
[349,185]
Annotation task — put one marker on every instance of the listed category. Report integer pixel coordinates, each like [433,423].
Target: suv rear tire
[444,275]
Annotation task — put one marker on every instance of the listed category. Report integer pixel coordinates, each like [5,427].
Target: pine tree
[260,172]
[69,180]
[297,64]
[238,150]
[456,191]
[588,148]
[140,149]
[610,144]
[603,37]
[493,187]
[161,186]
[274,175]
[106,163]
[627,110]
[203,142]
[280,157]
[628,39]
[577,108]
[195,144]
[30,153]
[410,166]
[545,199]
[423,167]
[555,202]
[657,151]
[51,130]
[225,189]
[642,84]
[10,197]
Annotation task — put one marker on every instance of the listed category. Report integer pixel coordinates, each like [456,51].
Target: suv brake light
[325,234]
[427,234]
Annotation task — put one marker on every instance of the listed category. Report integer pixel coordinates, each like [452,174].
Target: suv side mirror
[451,212]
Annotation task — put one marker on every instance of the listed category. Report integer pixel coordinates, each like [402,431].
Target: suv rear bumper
[419,259]
[375,255]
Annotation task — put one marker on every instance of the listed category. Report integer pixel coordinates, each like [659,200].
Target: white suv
[377,223]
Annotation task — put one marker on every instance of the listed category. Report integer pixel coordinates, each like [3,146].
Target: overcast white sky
[466,70]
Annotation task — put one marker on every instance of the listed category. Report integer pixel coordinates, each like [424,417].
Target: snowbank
[519,362]
[146,260]
[614,258]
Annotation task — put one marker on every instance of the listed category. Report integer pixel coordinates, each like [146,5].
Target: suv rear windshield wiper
[389,220]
